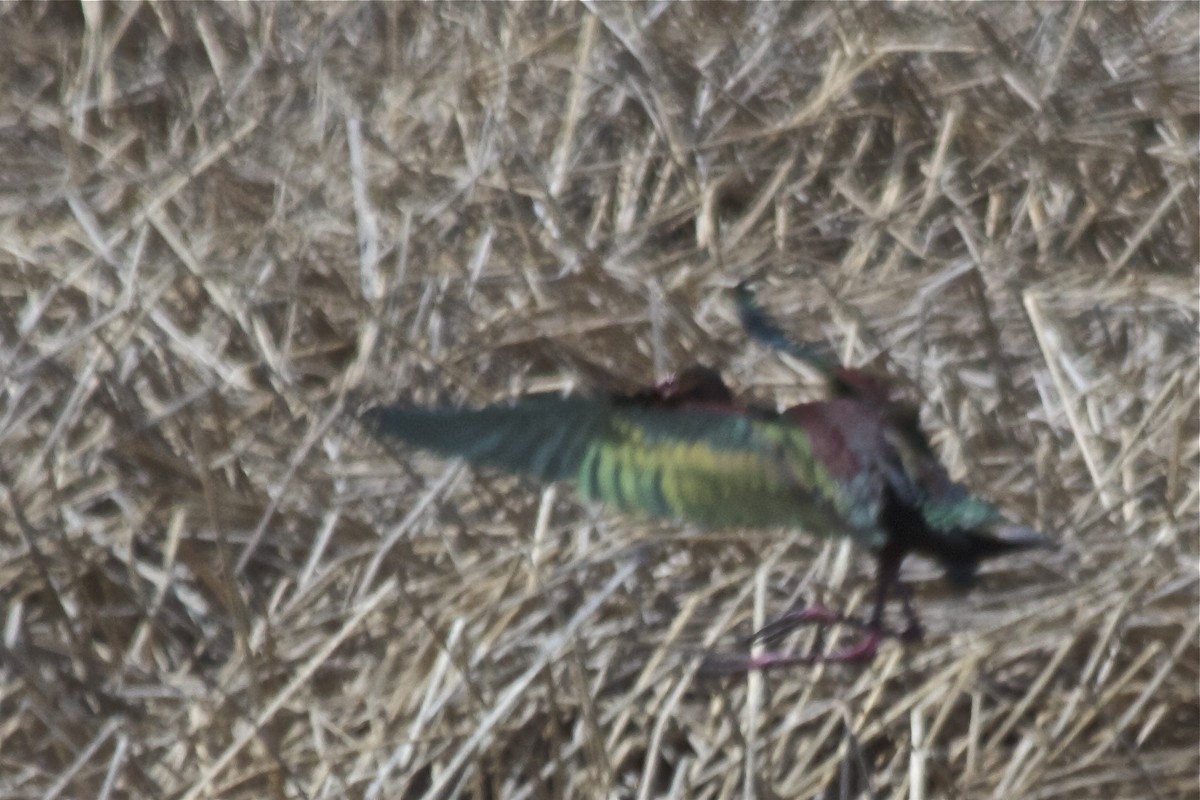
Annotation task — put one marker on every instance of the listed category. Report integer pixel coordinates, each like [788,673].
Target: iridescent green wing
[712,469]
[544,436]
[709,468]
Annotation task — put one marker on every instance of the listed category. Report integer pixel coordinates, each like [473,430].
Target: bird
[856,465]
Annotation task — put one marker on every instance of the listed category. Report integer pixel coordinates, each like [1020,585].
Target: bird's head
[988,541]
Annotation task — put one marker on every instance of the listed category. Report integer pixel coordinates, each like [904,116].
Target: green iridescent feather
[712,469]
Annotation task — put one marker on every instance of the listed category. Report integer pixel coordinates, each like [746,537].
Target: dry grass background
[219,220]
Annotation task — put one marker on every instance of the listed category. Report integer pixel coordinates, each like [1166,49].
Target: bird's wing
[544,436]
[712,468]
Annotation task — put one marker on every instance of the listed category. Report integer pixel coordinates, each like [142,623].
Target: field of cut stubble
[225,227]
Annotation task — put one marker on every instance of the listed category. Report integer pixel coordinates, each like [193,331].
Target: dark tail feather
[545,436]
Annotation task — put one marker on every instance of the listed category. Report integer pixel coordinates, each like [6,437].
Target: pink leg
[859,653]
[812,615]
[863,651]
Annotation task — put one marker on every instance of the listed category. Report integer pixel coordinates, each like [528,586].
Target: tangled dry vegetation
[225,225]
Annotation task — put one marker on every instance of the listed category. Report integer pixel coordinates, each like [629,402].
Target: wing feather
[712,468]
[545,436]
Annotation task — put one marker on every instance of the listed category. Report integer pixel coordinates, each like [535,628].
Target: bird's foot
[816,615]
[820,616]
[811,615]
[860,653]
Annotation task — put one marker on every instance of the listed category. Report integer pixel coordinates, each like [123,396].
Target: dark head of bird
[946,523]
[962,562]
